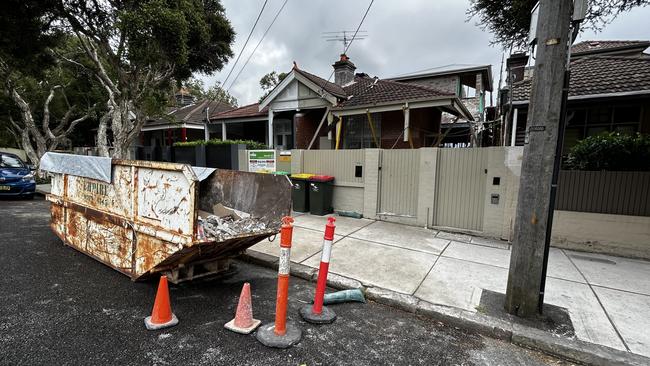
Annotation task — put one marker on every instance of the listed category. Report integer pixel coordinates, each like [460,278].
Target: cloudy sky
[403,36]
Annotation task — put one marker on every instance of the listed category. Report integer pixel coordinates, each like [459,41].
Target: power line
[351,40]
[245,43]
[258,44]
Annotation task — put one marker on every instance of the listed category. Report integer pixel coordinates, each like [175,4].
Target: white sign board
[532,32]
[261,161]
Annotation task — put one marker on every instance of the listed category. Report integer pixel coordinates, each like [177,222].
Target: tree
[41,99]
[196,87]
[509,20]
[270,81]
[137,49]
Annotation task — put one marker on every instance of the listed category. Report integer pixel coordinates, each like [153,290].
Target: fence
[213,156]
[475,190]
[617,193]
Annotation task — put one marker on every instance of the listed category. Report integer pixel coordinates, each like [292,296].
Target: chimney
[516,64]
[343,70]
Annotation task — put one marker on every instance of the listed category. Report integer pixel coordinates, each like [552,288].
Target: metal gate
[399,182]
[460,188]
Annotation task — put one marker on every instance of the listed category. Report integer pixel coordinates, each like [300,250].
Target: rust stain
[534,220]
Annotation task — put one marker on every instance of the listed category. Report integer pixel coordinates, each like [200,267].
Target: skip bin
[144,218]
[300,192]
[320,194]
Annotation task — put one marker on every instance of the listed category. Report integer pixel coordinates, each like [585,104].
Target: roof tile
[599,75]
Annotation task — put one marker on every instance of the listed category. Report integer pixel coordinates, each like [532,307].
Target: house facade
[355,111]
[609,91]
[468,82]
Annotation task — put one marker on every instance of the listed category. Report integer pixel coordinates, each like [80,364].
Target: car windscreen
[9,161]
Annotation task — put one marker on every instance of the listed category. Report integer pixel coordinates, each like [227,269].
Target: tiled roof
[370,91]
[328,86]
[599,75]
[605,46]
[247,111]
[191,113]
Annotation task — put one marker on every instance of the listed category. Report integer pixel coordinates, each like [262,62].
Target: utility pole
[524,294]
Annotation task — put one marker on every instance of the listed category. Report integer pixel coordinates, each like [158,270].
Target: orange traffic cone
[161,315]
[244,322]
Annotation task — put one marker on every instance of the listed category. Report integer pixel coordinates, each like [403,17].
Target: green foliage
[26,34]
[270,81]
[196,87]
[250,144]
[192,35]
[611,151]
[509,20]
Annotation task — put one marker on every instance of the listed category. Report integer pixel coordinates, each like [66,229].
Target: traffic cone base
[231,326]
[326,316]
[155,326]
[266,335]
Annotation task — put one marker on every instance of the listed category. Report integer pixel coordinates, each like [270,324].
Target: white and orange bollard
[317,313]
[282,334]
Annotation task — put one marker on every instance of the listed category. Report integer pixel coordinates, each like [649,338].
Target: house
[185,121]
[609,90]
[471,84]
[243,123]
[305,111]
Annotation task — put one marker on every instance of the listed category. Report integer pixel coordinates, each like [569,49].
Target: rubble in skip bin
[229,224]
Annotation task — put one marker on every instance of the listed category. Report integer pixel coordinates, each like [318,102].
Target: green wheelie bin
[300,191]
[320,194]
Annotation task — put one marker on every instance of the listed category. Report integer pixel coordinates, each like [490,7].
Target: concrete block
[340,282]
[391,298]
[482,324]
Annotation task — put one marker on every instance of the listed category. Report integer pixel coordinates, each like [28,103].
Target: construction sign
[261,161]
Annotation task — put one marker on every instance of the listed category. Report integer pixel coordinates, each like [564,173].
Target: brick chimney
[343,70]
[516,64]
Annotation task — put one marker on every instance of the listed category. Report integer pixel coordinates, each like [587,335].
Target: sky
[402,36]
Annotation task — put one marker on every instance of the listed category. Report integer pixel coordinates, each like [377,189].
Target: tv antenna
[345,36]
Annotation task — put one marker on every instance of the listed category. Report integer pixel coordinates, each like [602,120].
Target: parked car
[16,177]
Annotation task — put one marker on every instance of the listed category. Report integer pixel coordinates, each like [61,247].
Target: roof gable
[322,88]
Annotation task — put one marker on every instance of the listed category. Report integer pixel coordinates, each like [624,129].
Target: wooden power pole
[524,294]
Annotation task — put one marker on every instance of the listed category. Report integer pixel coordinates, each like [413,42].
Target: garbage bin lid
[302,176]
[321,178]
[281,173]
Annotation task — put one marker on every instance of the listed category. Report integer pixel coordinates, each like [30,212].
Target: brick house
[355,111]
[609,90]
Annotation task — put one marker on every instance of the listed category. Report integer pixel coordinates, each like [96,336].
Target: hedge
[250,144]
[611,151]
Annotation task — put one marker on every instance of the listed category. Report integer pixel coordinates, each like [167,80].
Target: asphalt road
[58,306]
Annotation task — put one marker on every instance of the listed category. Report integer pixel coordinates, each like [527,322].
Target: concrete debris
[224,227]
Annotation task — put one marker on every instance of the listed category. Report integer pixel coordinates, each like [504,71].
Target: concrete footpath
[445,274]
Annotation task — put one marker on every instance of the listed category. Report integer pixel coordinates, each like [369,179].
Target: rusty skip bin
[143,217]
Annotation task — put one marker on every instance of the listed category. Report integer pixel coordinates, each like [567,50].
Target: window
[590,121]
[8,161]
[357,133]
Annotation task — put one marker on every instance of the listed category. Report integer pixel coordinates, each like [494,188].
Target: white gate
[460,188]
[399,182]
